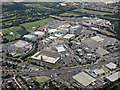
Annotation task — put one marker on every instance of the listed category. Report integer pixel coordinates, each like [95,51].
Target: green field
[36,23]
[92,12]
[69,14]
[10,38]
[14,29]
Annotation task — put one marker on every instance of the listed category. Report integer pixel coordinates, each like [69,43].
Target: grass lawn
[92,12]
[13,29]
[69,14]
[10,38]
[36,23]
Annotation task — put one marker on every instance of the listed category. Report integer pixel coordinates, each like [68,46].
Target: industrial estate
[67,52]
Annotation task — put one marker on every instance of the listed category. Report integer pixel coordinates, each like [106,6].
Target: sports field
[36,23]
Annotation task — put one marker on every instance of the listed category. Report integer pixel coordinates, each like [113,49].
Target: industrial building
[48,55]
[22,44]
[61,50]
[86,24]
[63,31]
[98,41]
[111,66]
[98,71]
[68,36]
[115,76]
[84,79]
[39,34]
[55,24]
[52,31]
[30,37]
[101,51]
[75,29]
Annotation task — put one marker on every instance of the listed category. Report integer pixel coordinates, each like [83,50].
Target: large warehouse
[22,44]
[98,41]
[113,77]
[47,55]
[84,79]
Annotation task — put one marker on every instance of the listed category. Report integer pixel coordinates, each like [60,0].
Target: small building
[111,66]
[115,76]
[59,35]
[68,36]
[52,38]
[12,34]
[63,31]
[68,61]
[99,71]
[86,24]
[52,31]
[61,49]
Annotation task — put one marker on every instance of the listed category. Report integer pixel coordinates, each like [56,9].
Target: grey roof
[102,51]
[50,53]
[68,60]
[93,44]
[56,23]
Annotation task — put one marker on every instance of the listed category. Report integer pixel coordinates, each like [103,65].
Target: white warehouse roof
[97,39]
[98,71]
[61,49]
[111,66]
[52,30]
[114,76]
[84,78]
[68,36]
[39,33]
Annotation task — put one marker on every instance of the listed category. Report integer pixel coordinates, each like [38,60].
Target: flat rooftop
[114,76]
[56,23]
[97,38]
[68,36]
[48,56]
[102,51]
[21,44]
[84,78]
[111,65]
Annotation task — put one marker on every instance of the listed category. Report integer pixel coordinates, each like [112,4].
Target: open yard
[92,12]
[69,14]
[36,23]
[41,79]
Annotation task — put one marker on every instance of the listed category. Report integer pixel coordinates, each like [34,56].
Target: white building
[111,66]
[61,49]
[98,71]
[68,36]
[22,44]
[39,34]
[114,76]
[75,29]
[30,37]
